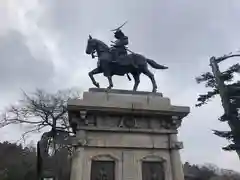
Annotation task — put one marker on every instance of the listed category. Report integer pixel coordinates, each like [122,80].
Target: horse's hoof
[154,90]
[107,90]
[109,87]
[97,85]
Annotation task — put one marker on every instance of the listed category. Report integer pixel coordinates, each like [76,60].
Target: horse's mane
[102,43]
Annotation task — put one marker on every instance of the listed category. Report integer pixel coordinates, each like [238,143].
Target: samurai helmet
[117,29]
[118,32]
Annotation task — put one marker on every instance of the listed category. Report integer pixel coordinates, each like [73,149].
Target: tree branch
[204,98]
[40,109]
[220,59]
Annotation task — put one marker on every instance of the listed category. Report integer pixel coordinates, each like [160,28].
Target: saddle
[124,60]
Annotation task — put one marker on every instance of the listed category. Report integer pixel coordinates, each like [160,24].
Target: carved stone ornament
[83,114]
[176,145]
[82,142]
[173,123]
[128,121]
[176,121]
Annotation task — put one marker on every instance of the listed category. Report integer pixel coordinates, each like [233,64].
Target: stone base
[135,133]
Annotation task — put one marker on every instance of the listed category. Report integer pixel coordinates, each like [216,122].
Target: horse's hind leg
[110,82]
[136,77]
[91,73]
[151,76]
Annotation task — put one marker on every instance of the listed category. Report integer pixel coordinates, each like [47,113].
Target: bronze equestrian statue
[116,61]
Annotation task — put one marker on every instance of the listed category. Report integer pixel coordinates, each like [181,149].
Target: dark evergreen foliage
[232,94]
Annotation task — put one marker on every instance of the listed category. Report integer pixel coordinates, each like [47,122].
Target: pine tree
[221,83]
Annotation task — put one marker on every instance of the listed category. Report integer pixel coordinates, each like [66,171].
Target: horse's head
[95,44]
[91,45]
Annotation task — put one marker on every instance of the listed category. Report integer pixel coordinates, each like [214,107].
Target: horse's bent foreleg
[136,81]
[91,73]
[110,82]
[151,76]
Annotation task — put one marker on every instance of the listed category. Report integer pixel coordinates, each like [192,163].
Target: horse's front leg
[91,73]
[110,82]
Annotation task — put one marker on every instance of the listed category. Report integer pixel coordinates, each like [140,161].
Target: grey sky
[42,44]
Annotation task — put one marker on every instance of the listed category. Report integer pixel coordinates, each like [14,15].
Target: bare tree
[44,112]
[40,110]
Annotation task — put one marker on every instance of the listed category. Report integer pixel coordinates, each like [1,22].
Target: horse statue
[133,63]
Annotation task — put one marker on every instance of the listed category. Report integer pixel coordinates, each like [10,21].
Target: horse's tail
[155,65]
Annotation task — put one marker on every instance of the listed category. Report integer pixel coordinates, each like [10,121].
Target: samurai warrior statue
[119,48]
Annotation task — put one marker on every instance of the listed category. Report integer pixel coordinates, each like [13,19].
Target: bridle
[95,49]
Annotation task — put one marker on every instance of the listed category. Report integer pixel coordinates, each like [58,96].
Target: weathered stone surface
[129,100]
[121,91]
[126,140]
[128,128]
[128,162]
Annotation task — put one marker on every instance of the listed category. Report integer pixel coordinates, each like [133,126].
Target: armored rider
[119,47]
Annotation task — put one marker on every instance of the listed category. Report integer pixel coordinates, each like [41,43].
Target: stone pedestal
[125,135]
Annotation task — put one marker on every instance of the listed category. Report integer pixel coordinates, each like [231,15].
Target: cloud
[18,68]
[43,45]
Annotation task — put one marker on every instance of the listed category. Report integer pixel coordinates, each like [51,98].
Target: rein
[96,50]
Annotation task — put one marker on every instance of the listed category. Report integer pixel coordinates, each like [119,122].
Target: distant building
[187,174]
[190,177]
